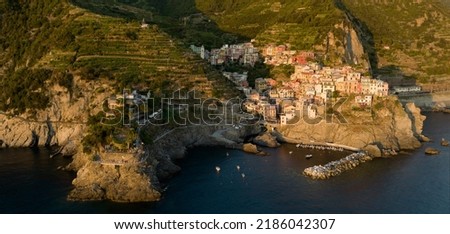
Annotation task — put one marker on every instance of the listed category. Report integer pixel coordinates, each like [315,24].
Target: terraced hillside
[95,47]
[305,25]
[411,37]
[402,37]
[177,18]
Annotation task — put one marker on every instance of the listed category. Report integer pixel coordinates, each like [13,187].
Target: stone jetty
[336,167]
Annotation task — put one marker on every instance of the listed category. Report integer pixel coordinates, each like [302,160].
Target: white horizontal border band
[83,224]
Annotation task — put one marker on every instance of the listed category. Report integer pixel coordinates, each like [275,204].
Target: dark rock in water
[444,143]
[250,148]
[166,169]
[424,138]
[432,151]
[262,153]
[266,140]
[253,149]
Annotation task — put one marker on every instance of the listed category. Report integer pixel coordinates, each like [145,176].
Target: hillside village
[308,91]
[309,87]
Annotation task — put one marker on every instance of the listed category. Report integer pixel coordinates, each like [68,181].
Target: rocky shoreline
[143,181]
[394,128]
[155,165]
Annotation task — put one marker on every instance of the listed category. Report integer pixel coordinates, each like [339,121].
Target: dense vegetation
[68,41]
[411,35]
[35,36]
[48,42]
[26,34]
[300,23]
[24,90]
[29,29]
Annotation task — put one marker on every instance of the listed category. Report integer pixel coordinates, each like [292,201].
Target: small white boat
[243,175]
[308,156]
[218,169]
[238,167]
[291,152]
[228,154]
[298,146]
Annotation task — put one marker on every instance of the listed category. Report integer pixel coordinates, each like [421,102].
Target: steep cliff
[124,183]
[62,123]
[343,45]
[390,126]
[139,179]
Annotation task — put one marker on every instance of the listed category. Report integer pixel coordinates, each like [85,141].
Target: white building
[312,112]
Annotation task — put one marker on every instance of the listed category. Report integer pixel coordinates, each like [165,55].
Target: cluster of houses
[248,54]
[309,87]
[245,54]
[282,55]
[318,81]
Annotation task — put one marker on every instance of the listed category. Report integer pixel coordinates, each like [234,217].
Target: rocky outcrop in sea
[253,149]
[266,140]
[141,181]
[391,128]
[432,151]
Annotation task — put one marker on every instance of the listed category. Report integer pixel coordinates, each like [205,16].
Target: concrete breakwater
[335,168]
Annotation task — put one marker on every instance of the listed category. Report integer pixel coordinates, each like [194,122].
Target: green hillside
[411,37]
[102,39]
[402,36]
[229,20]
[74,41]
[300,23]
[304,25]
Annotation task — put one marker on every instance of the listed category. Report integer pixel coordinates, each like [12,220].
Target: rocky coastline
[97,181]
[143,181]
[395,128]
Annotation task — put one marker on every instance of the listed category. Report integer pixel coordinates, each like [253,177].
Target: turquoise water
[408,183]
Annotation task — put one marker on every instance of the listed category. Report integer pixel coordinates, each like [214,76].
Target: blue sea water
[408,183]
